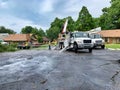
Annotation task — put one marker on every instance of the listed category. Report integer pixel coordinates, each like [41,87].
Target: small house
[2,36]
[45,40]
[20,38]
[111,36]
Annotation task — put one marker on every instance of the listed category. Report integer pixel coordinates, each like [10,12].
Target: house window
[106,40]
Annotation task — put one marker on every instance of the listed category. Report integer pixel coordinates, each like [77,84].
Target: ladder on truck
[66,43]
[67,37]
[95,30]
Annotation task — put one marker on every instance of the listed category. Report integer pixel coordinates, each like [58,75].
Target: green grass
[42,47]
[113,46]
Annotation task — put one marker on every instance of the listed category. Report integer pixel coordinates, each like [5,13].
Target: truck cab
[97,40]
[80,40]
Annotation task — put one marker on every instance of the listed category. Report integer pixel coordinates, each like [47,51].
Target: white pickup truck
[80,40]
[97,40]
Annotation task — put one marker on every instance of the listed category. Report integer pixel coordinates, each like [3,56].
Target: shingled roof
[110,33]
[18,37]
[45,39]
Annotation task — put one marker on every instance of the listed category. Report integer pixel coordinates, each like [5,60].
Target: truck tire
[94,47]
[103,46]
[90,50]
[75,46]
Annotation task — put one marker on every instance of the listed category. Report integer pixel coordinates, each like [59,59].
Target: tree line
[6,30]
[110,19]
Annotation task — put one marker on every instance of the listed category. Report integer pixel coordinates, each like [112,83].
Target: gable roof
[110,33]
[17,37]
[45,39]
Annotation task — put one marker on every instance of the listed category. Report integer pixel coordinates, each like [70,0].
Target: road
[52,70]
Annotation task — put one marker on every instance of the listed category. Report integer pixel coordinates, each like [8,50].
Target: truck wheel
[94,47]
[103,46]
[90,50]
[75,47]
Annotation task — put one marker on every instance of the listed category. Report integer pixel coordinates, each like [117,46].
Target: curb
[113,49]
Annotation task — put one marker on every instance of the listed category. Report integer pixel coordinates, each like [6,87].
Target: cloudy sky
[16,14]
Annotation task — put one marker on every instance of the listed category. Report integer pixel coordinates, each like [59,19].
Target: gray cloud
[16,14]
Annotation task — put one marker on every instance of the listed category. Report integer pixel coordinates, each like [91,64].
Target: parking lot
[54,70]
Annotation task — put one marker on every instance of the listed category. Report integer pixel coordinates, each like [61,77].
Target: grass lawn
[113,46]
[42,47]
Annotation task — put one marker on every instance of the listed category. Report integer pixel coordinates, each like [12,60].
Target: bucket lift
[64,37]
[96,30]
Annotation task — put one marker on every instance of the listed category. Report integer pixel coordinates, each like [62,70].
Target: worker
[49,45]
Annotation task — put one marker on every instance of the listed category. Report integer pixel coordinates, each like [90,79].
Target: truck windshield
[94,36]
[80,34]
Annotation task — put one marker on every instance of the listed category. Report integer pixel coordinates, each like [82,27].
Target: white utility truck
[97,40]
[75,40]
[78,40]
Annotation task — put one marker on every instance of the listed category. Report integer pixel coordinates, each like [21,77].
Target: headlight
[78,41]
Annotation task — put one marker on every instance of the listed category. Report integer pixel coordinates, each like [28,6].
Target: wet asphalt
[54,70]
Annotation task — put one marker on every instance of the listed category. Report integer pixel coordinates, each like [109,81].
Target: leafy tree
[114,13]
[96,22]
[111,16]
[30,30]
[35,31]
[40,39]
[85,20]
[5,30]
[105,20]
[71,24]
[40,35]
[55,28]
[41,32]
[27,30]
[53,32]
[58,23]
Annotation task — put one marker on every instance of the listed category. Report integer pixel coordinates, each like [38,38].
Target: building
[111,36]
[45,40]
[20,38]
[2,36]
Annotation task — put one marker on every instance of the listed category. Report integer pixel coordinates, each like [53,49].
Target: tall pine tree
[85,21]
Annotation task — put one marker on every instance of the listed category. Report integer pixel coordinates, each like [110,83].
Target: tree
[96,22]
[114,13]
[40,39]
[111,16]
[6,30]
[41,32]
[35,31]
[52,33]
[85,20]
[55,28]
[40,35]
[71,24]
[27,30]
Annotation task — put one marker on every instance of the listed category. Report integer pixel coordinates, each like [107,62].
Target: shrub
[4,48]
